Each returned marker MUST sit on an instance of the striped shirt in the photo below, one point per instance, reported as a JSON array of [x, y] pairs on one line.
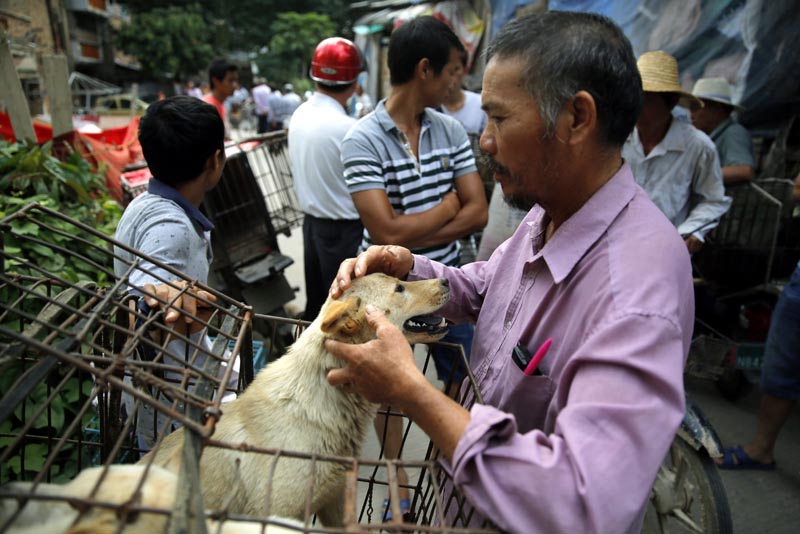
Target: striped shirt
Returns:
[[377, 155]]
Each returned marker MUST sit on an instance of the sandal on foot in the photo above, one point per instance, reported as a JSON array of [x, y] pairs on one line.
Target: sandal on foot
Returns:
[[737, 458]]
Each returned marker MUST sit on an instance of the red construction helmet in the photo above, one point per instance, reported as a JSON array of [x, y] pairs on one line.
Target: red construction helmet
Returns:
[[336, 61]]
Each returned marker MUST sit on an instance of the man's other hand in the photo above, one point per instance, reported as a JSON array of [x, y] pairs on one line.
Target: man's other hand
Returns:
[[693, 244], [182, 303], [382, 370]]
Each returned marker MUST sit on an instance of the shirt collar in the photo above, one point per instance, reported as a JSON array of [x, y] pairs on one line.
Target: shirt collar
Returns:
[[581, 231], [326, 101], [386, 121], [157, 187], [673, 140], [721, 128]]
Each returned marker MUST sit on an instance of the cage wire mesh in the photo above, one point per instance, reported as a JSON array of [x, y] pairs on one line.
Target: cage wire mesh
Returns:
[[265, 158], [91, 380]]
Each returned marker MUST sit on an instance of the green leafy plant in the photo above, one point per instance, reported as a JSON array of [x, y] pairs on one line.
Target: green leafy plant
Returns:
[[30, 173], [29, 456]]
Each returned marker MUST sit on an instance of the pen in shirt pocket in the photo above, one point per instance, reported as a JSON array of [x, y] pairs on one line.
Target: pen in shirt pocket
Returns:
[[527, 363], [533, 365]]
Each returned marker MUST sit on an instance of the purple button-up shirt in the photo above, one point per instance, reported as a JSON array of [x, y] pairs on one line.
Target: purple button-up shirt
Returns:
[[577, 449]]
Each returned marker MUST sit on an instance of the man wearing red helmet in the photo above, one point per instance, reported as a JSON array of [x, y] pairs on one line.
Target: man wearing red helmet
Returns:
[[331, 228]]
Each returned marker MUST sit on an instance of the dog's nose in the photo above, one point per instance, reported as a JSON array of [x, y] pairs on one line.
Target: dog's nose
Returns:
[[445, 282]]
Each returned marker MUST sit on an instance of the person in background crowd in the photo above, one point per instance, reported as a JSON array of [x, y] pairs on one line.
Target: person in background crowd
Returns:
[[290, 102], [463, 105], [412, 174], [360, 102], [238, 99], [275, 108], [780, 375], [503, 222], [332, 228], [261, 94], [713, 117], [223, 78], [780, 384], [575, 444], [673, 161], [193, 90]]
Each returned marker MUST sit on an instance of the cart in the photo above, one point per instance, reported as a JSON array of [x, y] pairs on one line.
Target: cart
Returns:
[[74, 351], [253, 203], [737, 282]]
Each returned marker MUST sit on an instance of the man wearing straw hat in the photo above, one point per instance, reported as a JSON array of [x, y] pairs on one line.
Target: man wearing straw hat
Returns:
[[673, 161], [713, 116]]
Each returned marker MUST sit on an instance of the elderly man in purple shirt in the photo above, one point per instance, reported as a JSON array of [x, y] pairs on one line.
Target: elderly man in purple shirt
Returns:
[[594, 265]]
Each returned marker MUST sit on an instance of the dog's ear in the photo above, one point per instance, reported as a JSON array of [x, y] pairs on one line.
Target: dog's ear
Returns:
[[344, 316]]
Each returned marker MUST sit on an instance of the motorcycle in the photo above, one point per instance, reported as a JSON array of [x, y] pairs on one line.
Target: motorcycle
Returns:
[[688, 494]]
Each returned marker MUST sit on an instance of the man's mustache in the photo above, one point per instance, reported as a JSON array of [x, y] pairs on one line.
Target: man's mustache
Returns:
[[487, 161]]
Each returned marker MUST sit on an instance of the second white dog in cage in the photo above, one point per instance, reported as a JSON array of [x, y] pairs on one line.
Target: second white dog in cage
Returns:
[[290, 406]]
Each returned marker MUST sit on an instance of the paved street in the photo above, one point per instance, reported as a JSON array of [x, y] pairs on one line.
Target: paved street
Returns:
[[760, 501]]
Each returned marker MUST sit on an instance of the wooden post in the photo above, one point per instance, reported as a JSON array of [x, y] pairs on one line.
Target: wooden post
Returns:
[[59, 96], [11, 91], [134, 97]]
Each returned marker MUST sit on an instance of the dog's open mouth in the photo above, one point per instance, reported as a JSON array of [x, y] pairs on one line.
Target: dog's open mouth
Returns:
[[426, 324]]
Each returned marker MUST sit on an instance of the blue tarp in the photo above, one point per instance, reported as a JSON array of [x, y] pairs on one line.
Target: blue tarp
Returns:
[[755, 44]]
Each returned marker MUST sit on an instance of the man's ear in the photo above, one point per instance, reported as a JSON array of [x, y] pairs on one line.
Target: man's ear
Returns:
[[579, 119], [424, 69], [215, 161], [343, 316]]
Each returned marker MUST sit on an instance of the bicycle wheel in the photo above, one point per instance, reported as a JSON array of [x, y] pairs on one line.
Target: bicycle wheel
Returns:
[[688, 495]]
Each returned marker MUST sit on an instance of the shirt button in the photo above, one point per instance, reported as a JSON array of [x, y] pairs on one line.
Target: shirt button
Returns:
[[508, 324]]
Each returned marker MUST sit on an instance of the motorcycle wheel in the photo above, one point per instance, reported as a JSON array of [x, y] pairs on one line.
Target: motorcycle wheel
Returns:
[[688, 495]]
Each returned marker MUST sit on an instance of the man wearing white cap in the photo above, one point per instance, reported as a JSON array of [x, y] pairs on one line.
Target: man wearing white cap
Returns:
[[713, 117], [675, 163]]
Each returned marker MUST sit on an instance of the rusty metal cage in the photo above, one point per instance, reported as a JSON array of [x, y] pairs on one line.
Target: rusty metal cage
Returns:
[[263, 161], [87, 371]]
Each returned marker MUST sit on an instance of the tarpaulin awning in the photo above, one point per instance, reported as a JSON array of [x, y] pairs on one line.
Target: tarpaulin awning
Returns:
[[458, 14], [751, 43], [110, 150]]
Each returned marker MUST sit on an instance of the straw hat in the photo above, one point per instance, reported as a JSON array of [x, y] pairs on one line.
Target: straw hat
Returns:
[[716, 90], [659, 72]]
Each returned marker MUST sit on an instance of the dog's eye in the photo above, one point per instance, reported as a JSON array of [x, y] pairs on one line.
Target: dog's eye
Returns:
[[400, 288]]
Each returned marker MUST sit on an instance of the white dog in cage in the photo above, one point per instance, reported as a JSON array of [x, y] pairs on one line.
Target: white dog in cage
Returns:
[[290, 406], [56, 511]]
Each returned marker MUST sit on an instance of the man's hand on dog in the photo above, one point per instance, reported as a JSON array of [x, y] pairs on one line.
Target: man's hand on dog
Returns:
[[382, 370], [393, 260], [185, 306]]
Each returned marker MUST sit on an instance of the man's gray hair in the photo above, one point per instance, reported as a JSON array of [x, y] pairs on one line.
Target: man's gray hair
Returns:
[[566, 52]]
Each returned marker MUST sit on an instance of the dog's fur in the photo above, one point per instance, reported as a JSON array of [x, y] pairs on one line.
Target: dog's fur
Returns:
[[119, 486], [290, 406]]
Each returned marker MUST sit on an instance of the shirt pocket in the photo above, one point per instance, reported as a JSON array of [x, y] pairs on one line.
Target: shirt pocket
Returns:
[[526, 397]]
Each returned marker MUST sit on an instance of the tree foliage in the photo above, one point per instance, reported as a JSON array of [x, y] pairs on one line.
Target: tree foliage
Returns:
[[172, 43], [294, 36], [181, 37]]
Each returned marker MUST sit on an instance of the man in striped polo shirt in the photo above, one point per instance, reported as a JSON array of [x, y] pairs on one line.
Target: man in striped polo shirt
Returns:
[[411, 171]]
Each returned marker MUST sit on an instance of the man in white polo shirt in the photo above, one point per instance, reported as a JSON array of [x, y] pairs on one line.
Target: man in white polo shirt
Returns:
[[331, 227]]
